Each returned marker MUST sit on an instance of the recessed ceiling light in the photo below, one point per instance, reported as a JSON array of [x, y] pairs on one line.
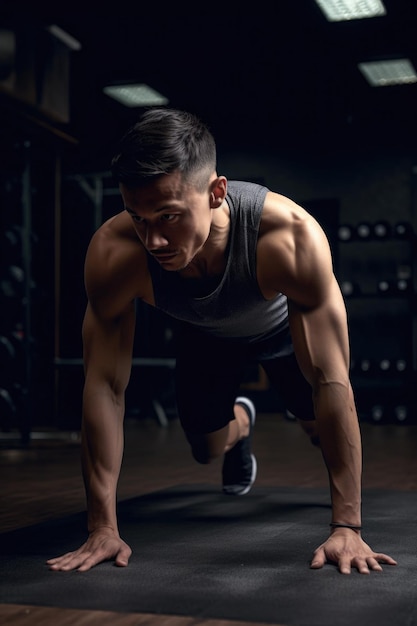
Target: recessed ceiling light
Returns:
[[390, 72], [135, 95], [339, 10]]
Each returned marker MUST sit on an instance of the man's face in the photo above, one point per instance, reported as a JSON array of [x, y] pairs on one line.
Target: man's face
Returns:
[[172, 219]]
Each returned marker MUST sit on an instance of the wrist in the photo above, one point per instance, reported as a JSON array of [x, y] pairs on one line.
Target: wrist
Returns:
[[103, 528], [355, 527]]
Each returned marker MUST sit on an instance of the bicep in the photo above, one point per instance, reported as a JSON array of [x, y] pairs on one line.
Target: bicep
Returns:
[[107, 348]]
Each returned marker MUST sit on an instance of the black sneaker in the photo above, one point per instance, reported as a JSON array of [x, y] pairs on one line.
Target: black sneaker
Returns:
[[239, 465]]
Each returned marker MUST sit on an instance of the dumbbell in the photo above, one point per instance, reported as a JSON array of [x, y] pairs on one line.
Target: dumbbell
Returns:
[[7, 410], [364, 230], [385, 365], [388, 365], [382, 230], [345, 232], [403, 285], [12, 243], [348, 288], [401, 365], [378, 413], [15, 276], [365, 365], [12, 357], [7, 353], [393, 287], [7, 360], [403, 230], [401, 413]]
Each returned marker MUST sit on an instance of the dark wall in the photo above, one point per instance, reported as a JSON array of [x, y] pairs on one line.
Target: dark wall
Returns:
[[338, 190], [377, 273]]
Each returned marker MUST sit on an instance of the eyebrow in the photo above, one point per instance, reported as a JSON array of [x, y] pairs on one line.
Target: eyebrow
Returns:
[[166, 207]]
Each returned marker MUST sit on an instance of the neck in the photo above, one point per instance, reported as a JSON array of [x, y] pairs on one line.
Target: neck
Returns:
[[210, 261]]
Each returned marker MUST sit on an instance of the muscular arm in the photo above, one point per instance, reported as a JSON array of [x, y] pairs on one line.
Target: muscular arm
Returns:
[[318, 322], [107, 357], [321, 345], [108, 332]]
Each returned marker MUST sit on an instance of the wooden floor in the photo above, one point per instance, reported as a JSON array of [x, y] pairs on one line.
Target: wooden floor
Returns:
[[43, 482]]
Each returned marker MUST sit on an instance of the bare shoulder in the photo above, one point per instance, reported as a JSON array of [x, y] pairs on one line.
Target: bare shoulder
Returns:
[[116, 269], [293, 255]]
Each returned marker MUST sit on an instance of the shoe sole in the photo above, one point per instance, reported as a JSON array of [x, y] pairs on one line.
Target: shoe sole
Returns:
[[252, 478]]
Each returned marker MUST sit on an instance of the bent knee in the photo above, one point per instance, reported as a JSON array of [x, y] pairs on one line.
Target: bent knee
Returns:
[[202, 451], [208, 447], [203, 455]]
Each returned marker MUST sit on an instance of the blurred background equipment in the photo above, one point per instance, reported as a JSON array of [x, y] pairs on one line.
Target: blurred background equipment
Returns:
[[310, 114]]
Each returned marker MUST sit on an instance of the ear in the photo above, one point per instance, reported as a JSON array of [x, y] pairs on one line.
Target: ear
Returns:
[[218, 191]]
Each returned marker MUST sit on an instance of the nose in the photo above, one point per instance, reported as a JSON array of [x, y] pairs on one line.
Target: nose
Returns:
[[154, 239]]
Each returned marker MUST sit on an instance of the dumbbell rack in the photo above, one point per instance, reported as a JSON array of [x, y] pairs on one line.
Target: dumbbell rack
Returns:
[[377, 277], [15, 295], [28, 183]]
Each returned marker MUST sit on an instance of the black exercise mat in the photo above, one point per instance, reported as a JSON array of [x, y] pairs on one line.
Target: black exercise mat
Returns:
[[199, 553]]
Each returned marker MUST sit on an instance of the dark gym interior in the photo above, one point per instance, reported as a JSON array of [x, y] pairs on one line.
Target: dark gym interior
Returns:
[[280, 87]]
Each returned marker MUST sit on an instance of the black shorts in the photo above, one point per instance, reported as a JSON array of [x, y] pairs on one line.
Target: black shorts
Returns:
[[209, 372]]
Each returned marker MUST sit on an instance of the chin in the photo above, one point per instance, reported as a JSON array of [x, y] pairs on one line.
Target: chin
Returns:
[[182, 266], [182, 263], [176, 265]]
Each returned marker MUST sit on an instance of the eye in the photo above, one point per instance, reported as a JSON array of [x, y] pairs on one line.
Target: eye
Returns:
[[168, 217], [136, 218]]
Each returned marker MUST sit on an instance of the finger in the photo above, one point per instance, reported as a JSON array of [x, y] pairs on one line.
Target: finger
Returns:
[[361, 565], [60, 564], [70, 562], [345, 566], [90, 562], [384, 558], [56, 559], [374, 565], [65, 566], [319, 559], [93, 558], [122, 558]]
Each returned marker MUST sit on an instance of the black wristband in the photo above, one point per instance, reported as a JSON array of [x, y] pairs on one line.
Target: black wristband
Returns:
[[337, 525]]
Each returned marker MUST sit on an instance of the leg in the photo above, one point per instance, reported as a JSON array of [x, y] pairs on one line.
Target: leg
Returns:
[[239, 428], [207, 447], [286, 376], [208, 377], [208, 372]]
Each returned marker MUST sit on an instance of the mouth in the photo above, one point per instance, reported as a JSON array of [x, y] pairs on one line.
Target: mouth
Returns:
[[164, 257]]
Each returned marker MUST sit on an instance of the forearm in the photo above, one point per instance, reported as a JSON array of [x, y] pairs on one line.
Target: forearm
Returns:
[[340, 442], [102, 452]]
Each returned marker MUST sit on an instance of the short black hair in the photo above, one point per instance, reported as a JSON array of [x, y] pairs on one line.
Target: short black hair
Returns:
[[164, 141]]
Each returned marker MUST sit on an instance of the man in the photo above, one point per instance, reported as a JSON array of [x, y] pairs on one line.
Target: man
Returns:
[[249, 275]]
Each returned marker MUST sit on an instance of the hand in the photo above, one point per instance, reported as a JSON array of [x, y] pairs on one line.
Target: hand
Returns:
[[347, 549], [102, 545]]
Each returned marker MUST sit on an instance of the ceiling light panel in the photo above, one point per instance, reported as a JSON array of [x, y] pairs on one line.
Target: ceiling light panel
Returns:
[[390, 72], [339, 10], [135, 95]]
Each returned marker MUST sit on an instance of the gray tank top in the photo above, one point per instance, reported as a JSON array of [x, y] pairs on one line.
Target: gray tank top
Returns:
[[236, 307]]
